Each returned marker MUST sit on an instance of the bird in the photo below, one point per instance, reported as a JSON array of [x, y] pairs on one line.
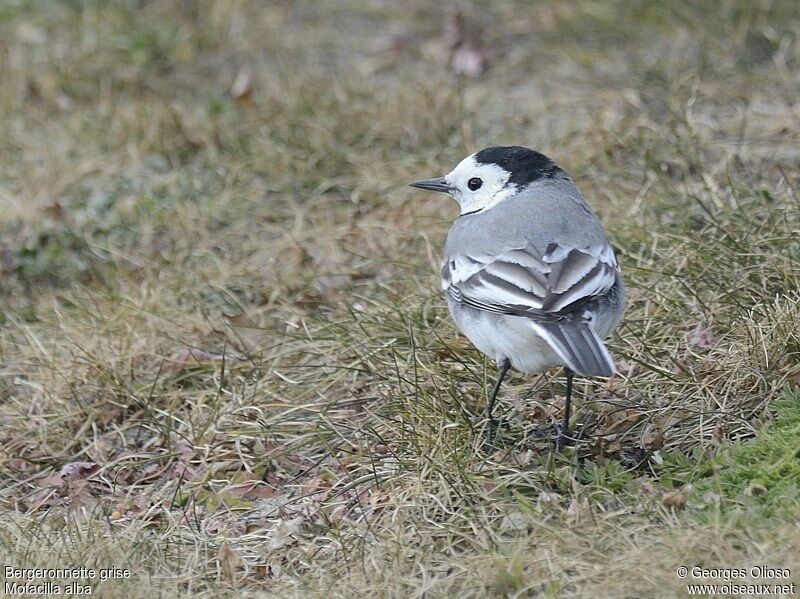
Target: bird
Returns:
[[529, 274]]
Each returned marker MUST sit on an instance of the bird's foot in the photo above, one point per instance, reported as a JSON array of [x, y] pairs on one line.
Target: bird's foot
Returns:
[[563, 438], [559, 436]]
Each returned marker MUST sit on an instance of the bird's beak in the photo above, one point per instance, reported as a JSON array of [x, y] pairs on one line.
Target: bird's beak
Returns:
[[437, 184]]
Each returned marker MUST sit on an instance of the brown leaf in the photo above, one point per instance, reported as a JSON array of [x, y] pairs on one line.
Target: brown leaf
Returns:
[[254, 489], [152, 470], [184, 450], [549, 499], [75, 470], [79, 495], [68, 484], [701, 337], [181, 468], [136, 508], [652, 438], [577, 510], [188, 357], [225, 465], [228, 561], [314, 486], [284, 533], [100, 449], [611, 445], [675, 500], [621, 420], [107, 416], [45, 497], [55, 210], [378, 498], [18, 464]]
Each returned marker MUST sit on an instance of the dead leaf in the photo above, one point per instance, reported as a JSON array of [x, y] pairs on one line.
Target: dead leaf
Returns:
[[378, 498], [225, 465], [80, 495], [138, 507], [188, 357], [227, 561], [621, 420], [335, 513], [68, 484], [515, 522], [652, 438], [549, 499], [46, 497], [284, 533], [262, 571], [611, 445], [184, 450], [701, 337], [100, 449], [675, 500], [75, 470], [182, 468], [18, 464], [577, 510], [254, 489]]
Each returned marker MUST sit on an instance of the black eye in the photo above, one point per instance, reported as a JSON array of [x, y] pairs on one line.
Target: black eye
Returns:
[[474, 183]]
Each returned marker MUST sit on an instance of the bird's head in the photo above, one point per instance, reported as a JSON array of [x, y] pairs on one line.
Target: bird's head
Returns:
[[485, 178]]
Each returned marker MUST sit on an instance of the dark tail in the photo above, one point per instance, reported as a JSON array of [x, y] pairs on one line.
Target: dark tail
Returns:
[[578, 345]]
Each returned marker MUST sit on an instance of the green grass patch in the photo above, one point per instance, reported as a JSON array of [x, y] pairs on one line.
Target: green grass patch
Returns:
[[762, 475]]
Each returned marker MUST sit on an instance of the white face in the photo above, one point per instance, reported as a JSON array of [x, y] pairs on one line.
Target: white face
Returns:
[[488, 180]]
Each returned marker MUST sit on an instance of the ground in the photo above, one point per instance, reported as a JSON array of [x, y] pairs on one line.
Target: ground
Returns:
[[226, 366]]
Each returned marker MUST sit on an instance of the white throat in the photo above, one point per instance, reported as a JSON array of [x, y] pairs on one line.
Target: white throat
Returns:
[[498, 197]]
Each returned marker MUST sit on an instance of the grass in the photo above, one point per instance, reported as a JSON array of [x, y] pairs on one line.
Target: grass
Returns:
[[761, 476], [225, 363]]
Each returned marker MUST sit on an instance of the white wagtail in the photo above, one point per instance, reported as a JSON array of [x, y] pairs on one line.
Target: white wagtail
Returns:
[[530, 277]]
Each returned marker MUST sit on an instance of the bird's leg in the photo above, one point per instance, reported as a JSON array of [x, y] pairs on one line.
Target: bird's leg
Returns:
[[505, 364], [562, 434]]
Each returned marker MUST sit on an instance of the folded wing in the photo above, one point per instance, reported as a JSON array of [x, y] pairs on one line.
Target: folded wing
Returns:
[[554, 290]]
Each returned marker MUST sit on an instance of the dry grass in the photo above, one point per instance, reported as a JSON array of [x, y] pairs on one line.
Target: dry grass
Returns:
[[224, 359]]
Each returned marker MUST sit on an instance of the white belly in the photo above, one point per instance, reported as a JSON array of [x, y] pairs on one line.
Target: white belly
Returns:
[[499, 337]]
